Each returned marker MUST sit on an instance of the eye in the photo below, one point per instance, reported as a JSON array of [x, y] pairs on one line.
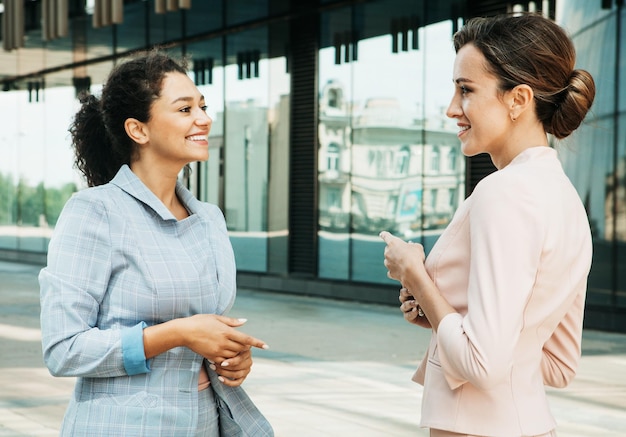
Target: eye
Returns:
[[204, 107], [185, 109], [464, 89]]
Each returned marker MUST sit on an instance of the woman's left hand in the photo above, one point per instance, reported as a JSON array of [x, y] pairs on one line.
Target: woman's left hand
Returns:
[[235, 370]]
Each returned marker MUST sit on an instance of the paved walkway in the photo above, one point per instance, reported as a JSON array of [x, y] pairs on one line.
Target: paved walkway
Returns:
[[334, 369]]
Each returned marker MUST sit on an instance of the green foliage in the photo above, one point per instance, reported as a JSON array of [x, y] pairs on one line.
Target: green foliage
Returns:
[[29, 205]]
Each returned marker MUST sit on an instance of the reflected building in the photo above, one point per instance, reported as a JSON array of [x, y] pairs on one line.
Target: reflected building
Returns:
[[328, 126], [383, 169], [615, 205], [334, 159]]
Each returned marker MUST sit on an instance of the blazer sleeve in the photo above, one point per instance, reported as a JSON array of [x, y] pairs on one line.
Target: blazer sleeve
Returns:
[[72, 287], [506, 234], [561, 353]]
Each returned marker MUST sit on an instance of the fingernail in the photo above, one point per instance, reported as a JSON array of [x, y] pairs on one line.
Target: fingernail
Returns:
[[224, 364], [243, 320], [220, 378], [265, 346], [212, 367]]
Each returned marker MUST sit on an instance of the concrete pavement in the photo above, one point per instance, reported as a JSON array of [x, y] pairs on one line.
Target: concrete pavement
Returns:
[[333, 369]]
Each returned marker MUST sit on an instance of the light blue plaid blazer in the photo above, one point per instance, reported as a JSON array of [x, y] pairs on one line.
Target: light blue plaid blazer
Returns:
[[118, 261]]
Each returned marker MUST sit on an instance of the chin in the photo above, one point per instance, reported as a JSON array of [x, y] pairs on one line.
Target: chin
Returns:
[[469, 151], [201, 157]]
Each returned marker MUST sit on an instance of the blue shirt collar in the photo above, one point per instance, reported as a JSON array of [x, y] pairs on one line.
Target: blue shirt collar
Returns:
[[128, 182]]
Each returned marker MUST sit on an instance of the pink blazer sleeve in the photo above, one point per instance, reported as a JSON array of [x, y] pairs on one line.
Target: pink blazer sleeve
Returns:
[[561, 352], [506, 235]]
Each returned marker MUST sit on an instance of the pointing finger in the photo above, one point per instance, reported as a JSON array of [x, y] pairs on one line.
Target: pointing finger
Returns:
[[385, 236]]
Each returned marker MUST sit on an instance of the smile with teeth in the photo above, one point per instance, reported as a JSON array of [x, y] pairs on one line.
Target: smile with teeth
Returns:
[[197, 138]]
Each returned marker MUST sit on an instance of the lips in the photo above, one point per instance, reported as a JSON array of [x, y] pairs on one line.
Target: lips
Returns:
[[463, 129]]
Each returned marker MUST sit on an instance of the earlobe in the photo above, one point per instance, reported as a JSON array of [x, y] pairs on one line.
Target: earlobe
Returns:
[[136, 131]]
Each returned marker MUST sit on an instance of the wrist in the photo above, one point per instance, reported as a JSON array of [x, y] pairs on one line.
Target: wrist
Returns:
[[163, 337]]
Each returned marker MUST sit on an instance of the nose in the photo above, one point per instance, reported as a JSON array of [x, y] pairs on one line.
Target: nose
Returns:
[[203, 119], [454, 108]]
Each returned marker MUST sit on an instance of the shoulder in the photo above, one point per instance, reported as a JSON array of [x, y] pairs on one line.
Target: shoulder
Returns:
[[95, 204], [100, 197], [505, 186], [530, 178], [511, 199], [212, 213]]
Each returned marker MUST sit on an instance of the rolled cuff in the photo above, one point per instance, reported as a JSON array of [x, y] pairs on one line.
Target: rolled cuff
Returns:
[[133, 353], [451, 337]]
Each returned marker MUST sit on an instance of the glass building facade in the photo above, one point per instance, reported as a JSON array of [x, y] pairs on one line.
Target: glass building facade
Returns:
[[328, 126]]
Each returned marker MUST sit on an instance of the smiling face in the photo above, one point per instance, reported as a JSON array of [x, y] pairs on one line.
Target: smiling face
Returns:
[[482, 111], [178, 129]]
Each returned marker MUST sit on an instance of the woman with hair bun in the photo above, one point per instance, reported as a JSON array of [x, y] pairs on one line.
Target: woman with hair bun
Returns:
[[140, 272], [504, 287]]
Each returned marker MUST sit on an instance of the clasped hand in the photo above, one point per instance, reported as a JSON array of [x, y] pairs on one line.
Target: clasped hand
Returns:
[[215, 338]]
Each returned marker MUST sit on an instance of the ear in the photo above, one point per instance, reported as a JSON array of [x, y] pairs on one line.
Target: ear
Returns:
[[136, 130], [521, 99]]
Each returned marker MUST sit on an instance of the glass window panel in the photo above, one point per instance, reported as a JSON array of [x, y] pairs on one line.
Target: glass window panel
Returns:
[[99, 40], [580, 14], [620, 179], [31, 168], [164, 27], [207, 72], [279, 128], [61, 179], [388, 158], [622, 62], [246, 147], [131, 34], [204, 16], [617, 194], [240, 11], [587, 158], [334, 154], [9, 173], [444, 166], [595, 50]]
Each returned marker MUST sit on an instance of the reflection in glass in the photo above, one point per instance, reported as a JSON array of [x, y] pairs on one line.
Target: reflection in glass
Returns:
[[207, 72], [388, 156], [36, 170], [246, 147], [589, 157], [131, 33]]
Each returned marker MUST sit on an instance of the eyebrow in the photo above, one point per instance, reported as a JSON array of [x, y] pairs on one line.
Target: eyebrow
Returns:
[[461, 79], [186, 99]]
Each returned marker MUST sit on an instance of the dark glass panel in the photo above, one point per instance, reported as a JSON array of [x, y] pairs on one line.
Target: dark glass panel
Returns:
[[204, 16], [131, 34], [246, 137]]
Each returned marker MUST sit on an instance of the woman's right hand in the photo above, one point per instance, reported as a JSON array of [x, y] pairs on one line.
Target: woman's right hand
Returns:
[[212, 336], [215, 337], [409, 308]]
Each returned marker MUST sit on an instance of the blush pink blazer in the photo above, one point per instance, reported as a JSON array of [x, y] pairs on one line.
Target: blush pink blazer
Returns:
[[514, 263]]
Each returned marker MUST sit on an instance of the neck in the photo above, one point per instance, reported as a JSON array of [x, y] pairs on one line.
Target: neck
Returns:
[[161, 180], [522, 137]]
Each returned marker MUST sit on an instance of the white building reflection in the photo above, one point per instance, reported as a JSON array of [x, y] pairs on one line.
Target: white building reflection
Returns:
[[384, 167]]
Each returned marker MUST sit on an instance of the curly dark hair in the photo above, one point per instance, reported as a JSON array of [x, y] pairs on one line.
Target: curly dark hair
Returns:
[[533, 50], [100, 142]]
